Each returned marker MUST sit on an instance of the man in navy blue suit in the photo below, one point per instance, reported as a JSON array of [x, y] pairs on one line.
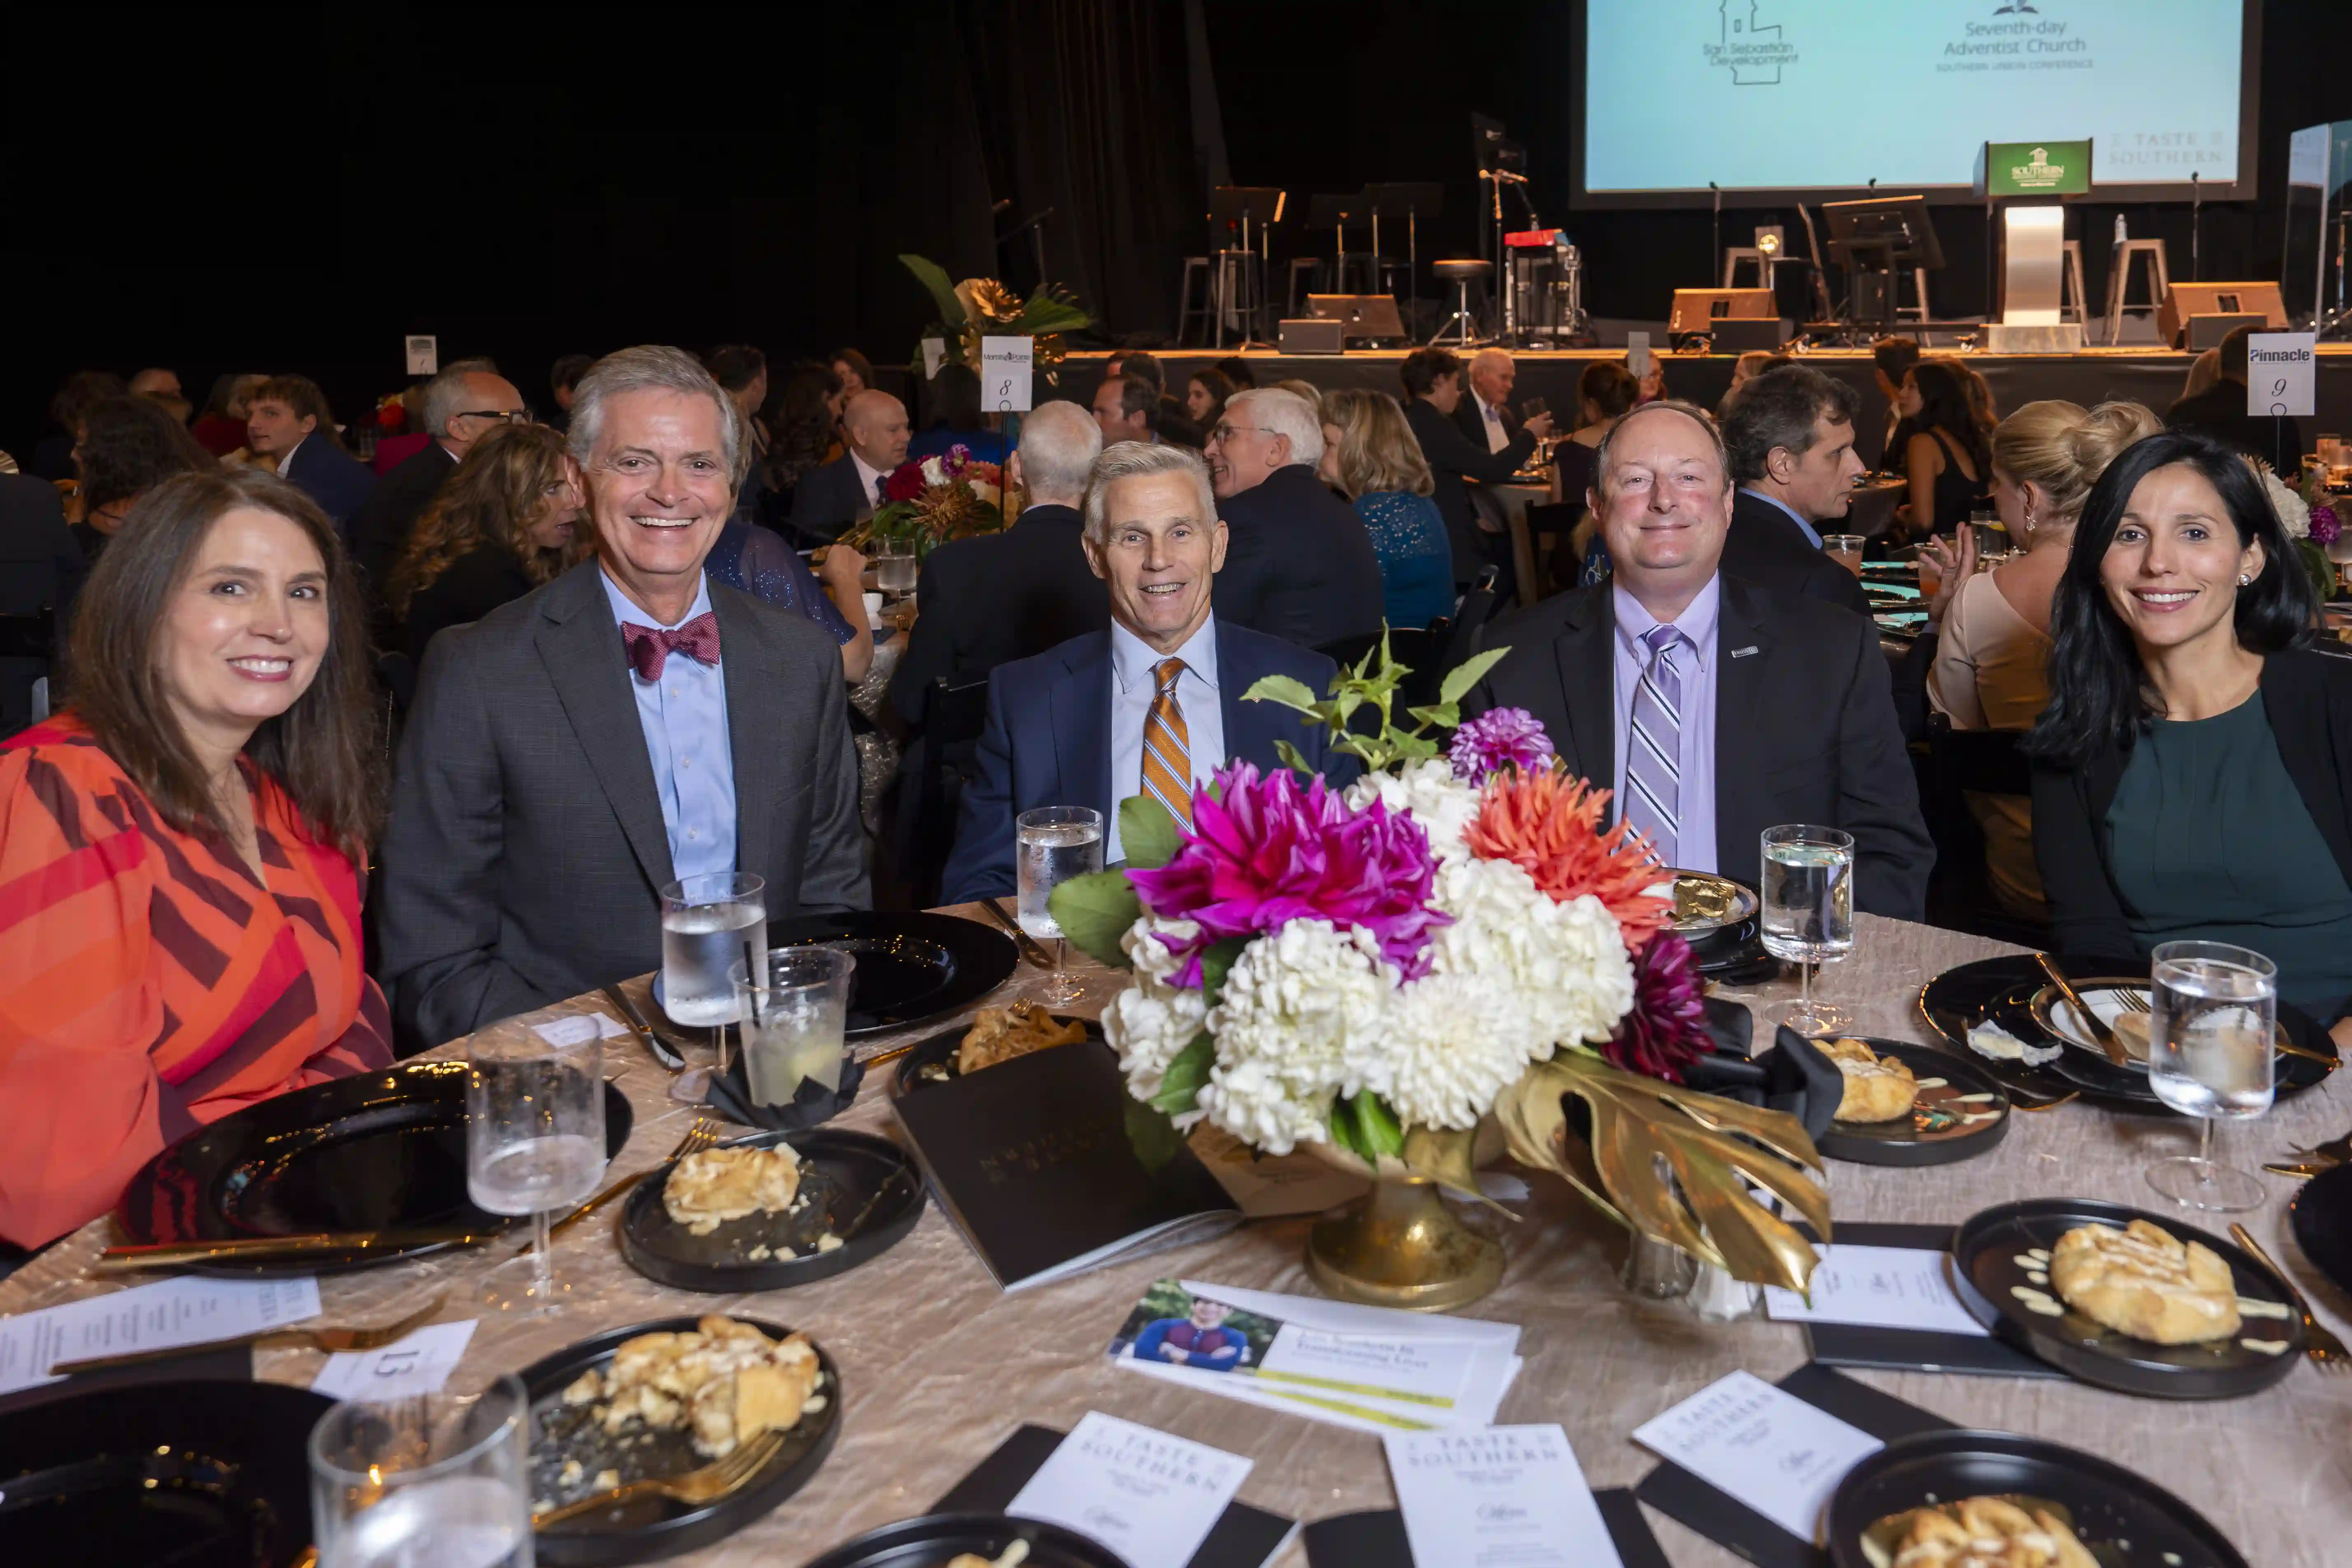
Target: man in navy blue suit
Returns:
[[1151, 706], [289, 420]]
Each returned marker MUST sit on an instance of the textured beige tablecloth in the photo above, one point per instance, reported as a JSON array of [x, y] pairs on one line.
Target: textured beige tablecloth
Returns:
[[937, 1365]]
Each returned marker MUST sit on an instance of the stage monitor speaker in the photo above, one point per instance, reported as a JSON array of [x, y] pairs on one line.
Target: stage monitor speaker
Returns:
[[1364, 315], [1698, 309], [1311, 336], [2183, 301], [2206, 329], [1739, 334]]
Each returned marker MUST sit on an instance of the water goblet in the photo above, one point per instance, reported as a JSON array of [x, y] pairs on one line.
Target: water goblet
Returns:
[[1808, 913], [534, 1143], [708, 922], [1058, 844], [2211, 1030]]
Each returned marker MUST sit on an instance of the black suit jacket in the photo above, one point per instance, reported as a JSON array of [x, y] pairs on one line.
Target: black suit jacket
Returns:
[[1048, 742], [1471, 420], [527, 847], [380, 528], [2220, 410], [2308, 697], [1804, 726], [1765, 545], [829, 498], [338, 481], [1298, 565], [996, 597], [1455, 458]]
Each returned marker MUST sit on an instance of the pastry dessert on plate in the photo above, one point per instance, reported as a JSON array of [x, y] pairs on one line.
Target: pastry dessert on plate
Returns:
[[1878, 1089], [706, 1190], [1978, 1532], [724, 1381], [2144, 1281], [1000, 1033]]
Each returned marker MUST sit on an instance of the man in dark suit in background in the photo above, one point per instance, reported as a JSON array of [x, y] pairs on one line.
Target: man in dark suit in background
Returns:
[[1484, 416], [288, 420], [996, 597], [1152, 706], [1714, 708], [462, 404], [627, 725], [1299, 565], [834, 495], [2220, 410], [1433, 397], [1789, 434], [40, 568]]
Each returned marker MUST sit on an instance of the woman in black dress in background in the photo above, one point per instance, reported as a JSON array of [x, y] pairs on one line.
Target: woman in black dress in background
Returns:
[[505, 521]]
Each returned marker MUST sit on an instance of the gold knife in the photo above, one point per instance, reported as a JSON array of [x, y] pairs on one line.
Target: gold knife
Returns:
[[2090, 1021], [643, 1029], [263, 1249], [1027, 943]]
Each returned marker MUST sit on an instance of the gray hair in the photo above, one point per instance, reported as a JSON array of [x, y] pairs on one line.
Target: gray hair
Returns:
[[1059, 443], [653, 368], [445, 396], [1285, 414], [1136, 460], [1691, 411]]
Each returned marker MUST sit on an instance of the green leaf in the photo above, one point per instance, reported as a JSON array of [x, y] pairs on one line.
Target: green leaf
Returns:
[[1186, 1075], [1095, 911], [1291, 758], [1446, 715], [1468, 673], [1345, 1133], [1151, 1135], [932, 276], [1283, 690], [1376, 1126], [1216, 963], [1148, 835]]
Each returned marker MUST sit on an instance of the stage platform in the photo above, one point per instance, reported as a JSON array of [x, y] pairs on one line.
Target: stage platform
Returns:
[[2152, 376]]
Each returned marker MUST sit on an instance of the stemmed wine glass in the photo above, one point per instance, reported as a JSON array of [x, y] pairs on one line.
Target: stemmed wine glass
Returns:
[[2211, 1030], [534, 1143], [442, 1478], [1808, 887], [1059, 844]]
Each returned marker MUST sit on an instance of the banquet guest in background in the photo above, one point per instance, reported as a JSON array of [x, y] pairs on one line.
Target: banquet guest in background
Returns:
[[808, 418], [1605, 393], [1745, 369], [461, 406], [187, 842], [40, 570], [834, 495], [1946, 460], [574, 751], [129, 445], [996, 597], [1790, 436], [1174, 422], [508, 522], [220, 429], [1206, 393], [2220, 410], [1238, 371], [1370, 453], [1124, 408], [1714, 708], [163, 387], [957, 420], [52, 456], [1982, 408], [1992, 646], [561, 377], [756, 561], [1891, 359], [289, 423], [1297, 564], [1433, 392], [2204, 372], [1153, 703], [742, 372], [1135, 361], [2194, 764], [1484, 415], [1306, 390], [856, 371]]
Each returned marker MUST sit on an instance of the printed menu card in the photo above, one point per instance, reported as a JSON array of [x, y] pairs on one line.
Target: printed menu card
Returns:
[[1150, 1496], [1507, 1497], [1762, 1447]]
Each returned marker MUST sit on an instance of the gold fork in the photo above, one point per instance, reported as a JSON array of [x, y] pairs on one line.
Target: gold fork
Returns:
[[2325, 1350], [698, 1137], [694, 1488], [2136, 1003], [328, 1340]]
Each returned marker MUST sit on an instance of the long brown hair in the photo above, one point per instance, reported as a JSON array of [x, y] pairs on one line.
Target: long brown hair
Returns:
[[494, 497], [1377, 449], [318, 751]]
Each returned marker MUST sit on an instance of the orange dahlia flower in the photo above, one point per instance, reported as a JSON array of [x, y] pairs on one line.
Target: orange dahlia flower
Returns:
[[1549, 824]]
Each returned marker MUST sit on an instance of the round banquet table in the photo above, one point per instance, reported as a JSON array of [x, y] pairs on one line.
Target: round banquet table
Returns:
[[2272, 1470]]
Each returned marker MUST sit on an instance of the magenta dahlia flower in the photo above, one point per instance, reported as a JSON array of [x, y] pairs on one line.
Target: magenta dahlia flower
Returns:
[[2326, 526], [1666, 1030], [1505, 737], [1265, 852]]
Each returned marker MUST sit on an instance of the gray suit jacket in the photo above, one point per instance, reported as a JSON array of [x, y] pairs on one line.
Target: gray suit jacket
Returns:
[[527, 849]]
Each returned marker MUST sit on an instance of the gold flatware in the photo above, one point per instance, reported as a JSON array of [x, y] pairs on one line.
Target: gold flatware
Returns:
[[2136, 1003], [2045, 1104], [265, 1248], [328, 1340], [698, 1137], [643, 1031], [695, 1487], [2335, 1149], [2327, 1351], [1027, 943], [2301, 1169], [2090, 1021]]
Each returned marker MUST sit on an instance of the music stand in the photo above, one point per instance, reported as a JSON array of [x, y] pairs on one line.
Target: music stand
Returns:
[[1250, 211], [1366, 315], [1336, 213], [1414, 200], [1881, 234]]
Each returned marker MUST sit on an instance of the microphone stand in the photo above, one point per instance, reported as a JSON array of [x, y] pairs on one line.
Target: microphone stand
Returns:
[[1718, 226], [2196, 223]]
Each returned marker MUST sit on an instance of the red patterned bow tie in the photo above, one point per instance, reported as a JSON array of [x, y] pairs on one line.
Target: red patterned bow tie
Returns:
[[650, 646]]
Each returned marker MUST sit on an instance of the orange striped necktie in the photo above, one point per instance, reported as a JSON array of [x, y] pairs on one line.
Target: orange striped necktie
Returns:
[[1167, 749]]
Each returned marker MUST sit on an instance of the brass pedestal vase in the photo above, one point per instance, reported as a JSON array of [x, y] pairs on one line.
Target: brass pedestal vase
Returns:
[[1400, 1246]]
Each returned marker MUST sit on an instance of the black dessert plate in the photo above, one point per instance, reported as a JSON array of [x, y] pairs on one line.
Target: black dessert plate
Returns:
[[910, 966], [932, 1061], [231, 1474], [933, 1540], [2120, 1517], [843, 1175], [383, 1150], [1960, 1113], [649, 1528], [1992, 1266], [2321, 1215]]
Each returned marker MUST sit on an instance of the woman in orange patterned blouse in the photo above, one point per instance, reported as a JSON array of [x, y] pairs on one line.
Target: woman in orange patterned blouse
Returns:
[[181, 851]]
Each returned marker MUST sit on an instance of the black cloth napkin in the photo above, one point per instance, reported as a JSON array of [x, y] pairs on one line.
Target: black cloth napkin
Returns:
[[1794, 1075], [815, 1105]]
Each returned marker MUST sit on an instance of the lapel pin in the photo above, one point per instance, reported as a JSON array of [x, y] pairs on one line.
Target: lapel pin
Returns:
[[1743, 652]]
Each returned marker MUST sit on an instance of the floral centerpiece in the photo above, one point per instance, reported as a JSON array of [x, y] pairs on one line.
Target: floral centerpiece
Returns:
[[983, 307], [930, 500], [1452, 941], [2309, 520]]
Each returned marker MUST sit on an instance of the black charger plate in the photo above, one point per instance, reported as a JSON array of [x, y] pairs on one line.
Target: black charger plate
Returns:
[[383, 1150], [1985, 1253], [841, 1172], [2110, 1505], [2321, 1216], [936, 1538], [910, 966], [1934, 1134], [654, 1527], [261, 1517], [940, 1049], [2091, 1072]]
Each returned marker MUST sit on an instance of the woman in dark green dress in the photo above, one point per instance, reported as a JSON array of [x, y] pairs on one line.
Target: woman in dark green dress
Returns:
[[2194, 772]]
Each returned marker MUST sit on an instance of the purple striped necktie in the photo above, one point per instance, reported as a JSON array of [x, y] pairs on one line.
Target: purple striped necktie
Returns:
[[1653, 746]]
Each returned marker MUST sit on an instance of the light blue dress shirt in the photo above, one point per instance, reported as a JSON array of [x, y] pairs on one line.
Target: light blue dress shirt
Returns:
[[1132, 688], [1812, 534], [1695, 808], [685, 718]]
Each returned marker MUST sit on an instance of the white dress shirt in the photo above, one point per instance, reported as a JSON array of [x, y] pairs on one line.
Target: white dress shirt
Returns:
[[868, 478], [684, 716], [1132, 689], [1694, 848], [1499, 435]]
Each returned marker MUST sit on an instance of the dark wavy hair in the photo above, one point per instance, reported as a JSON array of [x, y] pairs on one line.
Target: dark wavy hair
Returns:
[[130, 445], [1944, 405], [2098, 688]]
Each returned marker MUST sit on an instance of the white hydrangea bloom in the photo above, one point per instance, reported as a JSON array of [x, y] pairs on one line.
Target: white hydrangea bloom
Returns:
[[1299, 1007], [1441, 804], [934, 472], [1151, 1021], [2293, 512]]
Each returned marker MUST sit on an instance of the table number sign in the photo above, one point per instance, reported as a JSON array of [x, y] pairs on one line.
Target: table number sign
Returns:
[[2281, 374], [1006, 369]]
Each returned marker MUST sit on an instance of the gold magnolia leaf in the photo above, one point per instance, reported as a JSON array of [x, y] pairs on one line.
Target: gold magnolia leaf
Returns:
[[1535, 1130], [1445, 1158]]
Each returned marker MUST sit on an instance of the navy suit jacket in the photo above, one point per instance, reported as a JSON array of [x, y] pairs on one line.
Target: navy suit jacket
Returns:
[[1048, 742], [338, 481], [828, 499]]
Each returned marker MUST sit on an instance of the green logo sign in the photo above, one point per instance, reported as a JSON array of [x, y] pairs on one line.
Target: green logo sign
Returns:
[[2037, 168]]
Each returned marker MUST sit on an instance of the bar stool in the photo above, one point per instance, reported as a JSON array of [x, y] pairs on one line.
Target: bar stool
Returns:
[[1196, 271], [2072, 301], [1461, 273], [2119, 282], [1734, 255], [1311, 267]]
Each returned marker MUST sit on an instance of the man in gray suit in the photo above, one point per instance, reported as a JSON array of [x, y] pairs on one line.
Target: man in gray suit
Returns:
[[575, 750]]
